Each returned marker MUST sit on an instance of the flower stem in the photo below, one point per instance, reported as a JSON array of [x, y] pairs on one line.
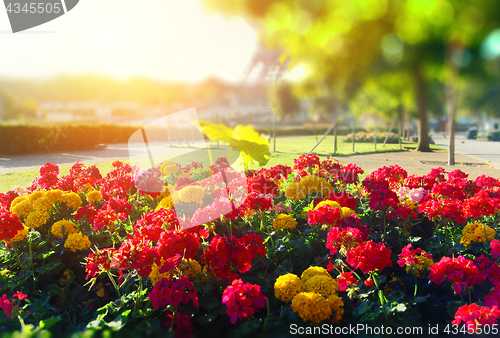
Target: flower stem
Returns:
[[173, 321], [380, 296], [415, 291], [17, 253], [267, 318], [114, 284], [361, 300]]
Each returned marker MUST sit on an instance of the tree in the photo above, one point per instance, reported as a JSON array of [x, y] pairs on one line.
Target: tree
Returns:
[[340, 41], [283, 103]]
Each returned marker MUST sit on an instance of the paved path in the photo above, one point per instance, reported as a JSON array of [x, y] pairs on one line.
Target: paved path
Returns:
[[482, 151]]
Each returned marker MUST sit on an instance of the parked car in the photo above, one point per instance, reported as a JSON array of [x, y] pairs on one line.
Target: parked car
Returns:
[[472, 135], [494, 136]]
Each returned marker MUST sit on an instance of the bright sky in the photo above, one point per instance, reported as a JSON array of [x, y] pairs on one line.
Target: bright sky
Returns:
[[165, 39]]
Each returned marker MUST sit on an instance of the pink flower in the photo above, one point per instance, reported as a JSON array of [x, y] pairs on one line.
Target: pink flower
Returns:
[[242, 299], [20, 295], [495, 248], [6, 305], [474, 314]]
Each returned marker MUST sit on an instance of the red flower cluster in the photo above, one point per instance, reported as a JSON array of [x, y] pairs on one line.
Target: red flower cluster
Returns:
[[343, 198], [48, 178], [152, 224], [458, 198], [493, 298], [325, 214], [98, 261], [226, 254], [347, 238], [184, 243], [7, 198], [10, 224], [309, 161], [460, 271], [369, 256], [6, 305], [242, 299], [173, 292], [473, 315], [409, 256], [488, 269], [346, 280], [495, 248], [380, 185], [118, 183], [136, 254], [257, 202]]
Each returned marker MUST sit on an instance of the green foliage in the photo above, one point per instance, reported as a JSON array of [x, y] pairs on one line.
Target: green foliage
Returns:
[[253, 147]]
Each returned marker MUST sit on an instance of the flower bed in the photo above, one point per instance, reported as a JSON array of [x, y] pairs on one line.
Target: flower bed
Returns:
[[205, 251]]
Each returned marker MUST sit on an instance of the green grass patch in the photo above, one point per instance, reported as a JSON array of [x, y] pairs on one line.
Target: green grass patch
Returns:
[[287, 149]]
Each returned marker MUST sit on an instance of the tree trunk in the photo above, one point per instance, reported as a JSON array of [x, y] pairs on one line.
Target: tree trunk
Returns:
[[335, 139], [274, 132], [423, 123], [400, 125]]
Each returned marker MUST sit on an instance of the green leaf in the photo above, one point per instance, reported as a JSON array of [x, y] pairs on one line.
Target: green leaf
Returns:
[[397, 296], [47, 268], [119, 321], [47, 323], [216, 132], [421, 299], [253, 147]]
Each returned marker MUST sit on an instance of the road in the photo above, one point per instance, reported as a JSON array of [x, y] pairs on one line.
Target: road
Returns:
[[482, 151]]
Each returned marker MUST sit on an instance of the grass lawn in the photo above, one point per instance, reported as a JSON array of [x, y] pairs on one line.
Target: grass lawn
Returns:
[[287, 148]]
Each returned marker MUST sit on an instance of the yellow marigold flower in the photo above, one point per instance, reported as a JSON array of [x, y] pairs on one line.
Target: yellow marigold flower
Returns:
[[184, 174], [284, 221], [411, 204], [314, 271], [43, 204], [22, 209], [54, 195], [311, 307], [187, 268], [69, 228], [288, 286], [474, 232], [192, 194], [347, 212], [294, 192], [419, 266], [17, 200], [77, 242], [169, 167], [316, 184], [156, 276], [72, 200], [336, 304], [21, 234], [36, 195], [94, 196], [327, 202], [37, 218], [324, 285], [166, 203]]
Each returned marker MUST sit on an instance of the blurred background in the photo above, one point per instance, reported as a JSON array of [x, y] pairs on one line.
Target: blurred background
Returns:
[[414, 68]]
